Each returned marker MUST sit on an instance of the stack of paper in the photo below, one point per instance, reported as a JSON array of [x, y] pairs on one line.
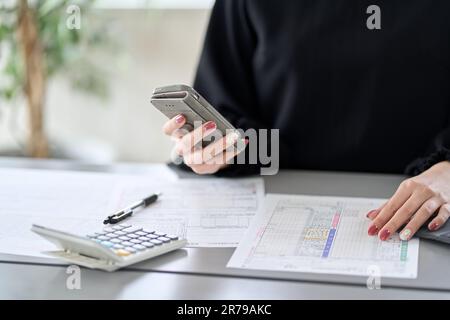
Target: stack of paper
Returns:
[[208, 212]]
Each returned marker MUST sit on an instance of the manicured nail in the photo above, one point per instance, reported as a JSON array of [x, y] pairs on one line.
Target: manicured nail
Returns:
[[210, 125], [385, 234], [405, 235], [371, 213], [246, 141], [179, 119], [373, 230], [433, 227]]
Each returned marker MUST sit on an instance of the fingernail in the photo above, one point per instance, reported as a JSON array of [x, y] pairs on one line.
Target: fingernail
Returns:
[[246, 141], [373, 230], [179, 119], [405, 234], [371, 213], [433, 227], [385, 234], [210, 125]]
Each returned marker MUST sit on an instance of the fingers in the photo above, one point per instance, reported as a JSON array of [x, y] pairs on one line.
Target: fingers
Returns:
[[412, 206], [372, 214], [189, 141], [178, 134], [422, 215], [206, 160], [402, 194], [173, 124], [440, 219], [209, 153], [229, 154], [219, 161]]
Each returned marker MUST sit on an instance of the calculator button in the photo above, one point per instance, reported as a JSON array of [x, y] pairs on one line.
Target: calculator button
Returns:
[[139, 247], [124, 225], [157, 242], [111, 235], [91, 236], [144, 238], [148, 231], [130, 250], [164, 239], [132, 235], [106, 244], [103, 238], [152, 236], [160, 234], [172, 237], [135, 241], [120, 233], [132, 229], [128, 244], [108, 230], [117, 227], [115, 240], [124, 238], [122, 253], [147, 244], [100, 233], [118, 246], [141, 233]]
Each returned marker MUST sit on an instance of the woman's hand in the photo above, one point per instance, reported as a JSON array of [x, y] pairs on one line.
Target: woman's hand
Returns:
[[206, 160], [414, 202]]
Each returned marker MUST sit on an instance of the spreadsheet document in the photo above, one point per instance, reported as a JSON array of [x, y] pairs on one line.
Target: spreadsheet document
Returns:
[[322, 235]]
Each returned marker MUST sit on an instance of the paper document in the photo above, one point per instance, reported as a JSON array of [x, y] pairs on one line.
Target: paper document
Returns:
[[322, 235], [209, 212]]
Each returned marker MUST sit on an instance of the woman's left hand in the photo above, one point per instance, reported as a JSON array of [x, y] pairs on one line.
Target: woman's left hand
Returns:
[[414, 202]]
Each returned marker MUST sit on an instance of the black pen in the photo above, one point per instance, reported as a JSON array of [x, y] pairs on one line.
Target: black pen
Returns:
[[128, 212]]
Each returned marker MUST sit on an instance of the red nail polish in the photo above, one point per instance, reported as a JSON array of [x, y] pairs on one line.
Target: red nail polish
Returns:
[[373, 230], [179, 119], [210, 125], [246, 141], [385, 234], [433, 226], [370, 213]]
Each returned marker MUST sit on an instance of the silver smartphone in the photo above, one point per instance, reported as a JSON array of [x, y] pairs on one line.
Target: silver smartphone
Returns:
[[182, 99]]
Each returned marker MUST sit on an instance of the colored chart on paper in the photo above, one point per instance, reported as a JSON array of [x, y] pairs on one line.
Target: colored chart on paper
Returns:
[[322, 235]]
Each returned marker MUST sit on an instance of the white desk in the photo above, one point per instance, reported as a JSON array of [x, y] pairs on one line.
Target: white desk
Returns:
[[200, 273]]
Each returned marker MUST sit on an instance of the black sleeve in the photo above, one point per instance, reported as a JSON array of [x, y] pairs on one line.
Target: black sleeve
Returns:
[[225, 74], [439, 151]]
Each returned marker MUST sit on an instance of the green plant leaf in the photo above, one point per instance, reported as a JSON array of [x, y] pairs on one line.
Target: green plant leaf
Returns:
[[65, 50]]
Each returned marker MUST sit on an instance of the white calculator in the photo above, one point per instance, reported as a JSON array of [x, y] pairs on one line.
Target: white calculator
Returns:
[[112, 248]]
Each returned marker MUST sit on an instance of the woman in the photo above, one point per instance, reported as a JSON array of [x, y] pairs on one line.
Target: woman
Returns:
[[344, 96]]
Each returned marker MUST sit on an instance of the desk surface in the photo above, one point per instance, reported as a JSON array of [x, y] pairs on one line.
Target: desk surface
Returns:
[[200, 274]]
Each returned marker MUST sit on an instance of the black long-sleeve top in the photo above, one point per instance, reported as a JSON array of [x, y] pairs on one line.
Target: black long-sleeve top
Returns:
[[344, 97]]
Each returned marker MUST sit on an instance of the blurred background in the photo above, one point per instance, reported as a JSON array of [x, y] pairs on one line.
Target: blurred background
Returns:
[[93, 97]]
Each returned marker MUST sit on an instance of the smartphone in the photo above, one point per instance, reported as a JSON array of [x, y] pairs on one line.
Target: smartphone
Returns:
[[182, 99]]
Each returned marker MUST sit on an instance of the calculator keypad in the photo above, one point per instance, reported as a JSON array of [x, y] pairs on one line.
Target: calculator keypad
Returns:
[[126, 240]]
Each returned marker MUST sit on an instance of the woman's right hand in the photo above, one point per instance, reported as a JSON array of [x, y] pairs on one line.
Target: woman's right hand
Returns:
[[188, 145]]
